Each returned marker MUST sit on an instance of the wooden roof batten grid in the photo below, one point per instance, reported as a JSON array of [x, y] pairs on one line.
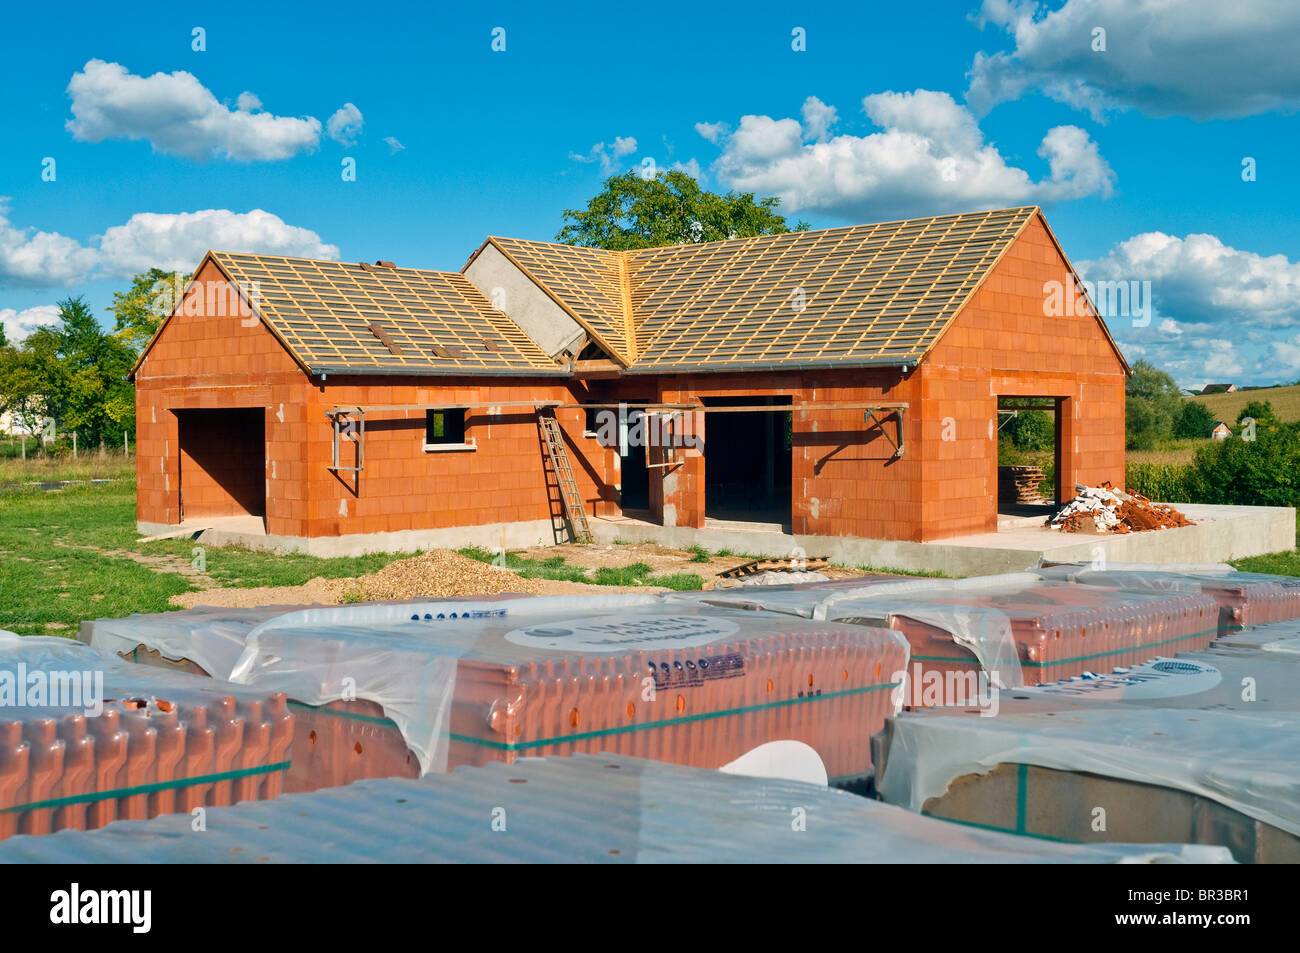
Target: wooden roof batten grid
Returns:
[[879, 294]]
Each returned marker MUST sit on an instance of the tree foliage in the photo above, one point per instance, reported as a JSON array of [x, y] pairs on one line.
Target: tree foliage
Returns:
[[1153, 403], [1194, 421], [671, 208], [1264, 471], [1031, 430], [141, 308], [72, 372]]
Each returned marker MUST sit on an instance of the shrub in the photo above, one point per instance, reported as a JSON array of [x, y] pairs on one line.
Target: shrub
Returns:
[[1260, 472]]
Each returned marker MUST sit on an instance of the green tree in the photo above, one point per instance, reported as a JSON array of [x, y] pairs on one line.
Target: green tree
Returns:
[[669, 209], [1261, 411], [1031, 430], [139, 310], [1260, 472], [74, 373], [1152, 404], [1194, 421]]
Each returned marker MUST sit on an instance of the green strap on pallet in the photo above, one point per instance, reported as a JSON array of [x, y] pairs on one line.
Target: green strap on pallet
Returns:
[[666, 722], [176, 785]]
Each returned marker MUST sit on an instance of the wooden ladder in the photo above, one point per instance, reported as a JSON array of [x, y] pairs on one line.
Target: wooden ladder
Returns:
[[553, 439]]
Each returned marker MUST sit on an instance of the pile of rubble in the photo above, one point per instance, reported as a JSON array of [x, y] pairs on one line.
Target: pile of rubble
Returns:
[[1104, 509]]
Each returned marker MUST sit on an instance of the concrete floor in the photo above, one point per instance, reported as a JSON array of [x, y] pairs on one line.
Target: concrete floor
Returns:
[[1221, 533]]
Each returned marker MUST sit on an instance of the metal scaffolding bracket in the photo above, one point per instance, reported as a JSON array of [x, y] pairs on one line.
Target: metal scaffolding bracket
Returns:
[[336, 417], [878, 416]]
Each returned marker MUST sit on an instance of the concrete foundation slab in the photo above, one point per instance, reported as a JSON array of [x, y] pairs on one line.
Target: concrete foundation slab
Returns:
[[1221, 533], [491, 536]]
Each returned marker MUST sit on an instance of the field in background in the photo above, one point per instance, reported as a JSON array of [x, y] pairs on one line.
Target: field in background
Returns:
[[87, 466], [1226, 407]]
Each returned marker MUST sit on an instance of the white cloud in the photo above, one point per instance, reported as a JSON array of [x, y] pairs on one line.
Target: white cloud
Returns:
[[1199, 58], [817, 118], [19, 324], [394, 146], [691, 167], [176, 114], [178, 241], [1221, 358], [715, 132], [30, 258], [1288, 353], [345, 125], [607, 154], [1201, 280], [930, 157], [1220, 313]]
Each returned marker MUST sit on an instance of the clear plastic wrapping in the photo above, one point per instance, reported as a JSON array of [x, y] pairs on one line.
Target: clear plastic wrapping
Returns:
[[87, 738], [687, 682], [633, 811]]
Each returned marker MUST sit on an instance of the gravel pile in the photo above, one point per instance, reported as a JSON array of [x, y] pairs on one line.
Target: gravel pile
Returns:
[[437, 574]]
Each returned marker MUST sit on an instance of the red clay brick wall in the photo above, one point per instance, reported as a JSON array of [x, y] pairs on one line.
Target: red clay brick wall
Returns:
[[404, 487], [205, 360], [1004, 344], [214, 360], [845, 480]]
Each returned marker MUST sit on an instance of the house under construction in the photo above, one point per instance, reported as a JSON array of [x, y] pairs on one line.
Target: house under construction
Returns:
[[843, 382]]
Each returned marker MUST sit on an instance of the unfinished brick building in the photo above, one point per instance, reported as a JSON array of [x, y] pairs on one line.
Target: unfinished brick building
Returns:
[[843, 382]]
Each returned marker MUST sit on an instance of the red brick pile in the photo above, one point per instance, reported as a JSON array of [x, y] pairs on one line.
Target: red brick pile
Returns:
[[1125, 513]]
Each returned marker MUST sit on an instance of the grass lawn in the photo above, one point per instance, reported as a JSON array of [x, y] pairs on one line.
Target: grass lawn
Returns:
[[66, 556], [1279, 564], [54, 574], [63, 559]]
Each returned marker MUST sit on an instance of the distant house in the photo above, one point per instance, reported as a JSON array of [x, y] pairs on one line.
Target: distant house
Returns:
[[1219, 389], [11, 426], [1220, 431]]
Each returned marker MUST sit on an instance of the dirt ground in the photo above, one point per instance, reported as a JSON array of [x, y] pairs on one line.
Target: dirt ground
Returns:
[[442, 573]]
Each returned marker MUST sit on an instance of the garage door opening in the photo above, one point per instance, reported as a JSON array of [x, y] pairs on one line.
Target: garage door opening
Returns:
[[747, 460], [222, 463]]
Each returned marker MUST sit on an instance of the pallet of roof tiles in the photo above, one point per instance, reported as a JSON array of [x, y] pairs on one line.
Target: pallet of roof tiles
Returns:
[[87, 738], [633, 811], [335, 744], [1203, 748], [1281, 637], [1244, 598], [803, 599], [204, 640], [1014, 629], [646, 676], [1030, 632]]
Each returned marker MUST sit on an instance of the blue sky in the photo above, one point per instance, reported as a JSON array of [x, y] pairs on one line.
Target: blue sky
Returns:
[[1135, 151]]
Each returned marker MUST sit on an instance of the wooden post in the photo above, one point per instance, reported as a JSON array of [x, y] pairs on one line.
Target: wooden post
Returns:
[[126, 443], [24, 446], [74, 445]]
